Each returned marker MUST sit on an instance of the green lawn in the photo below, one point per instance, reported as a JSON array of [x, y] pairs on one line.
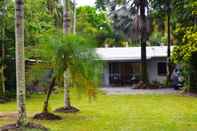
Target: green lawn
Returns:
[[119, 113]]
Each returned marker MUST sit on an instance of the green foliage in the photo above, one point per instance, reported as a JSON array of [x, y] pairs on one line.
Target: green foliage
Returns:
[[184, 54], [94, 23], [74, 53], [96, 19], [157, 38], [183, 23], [183, 10]]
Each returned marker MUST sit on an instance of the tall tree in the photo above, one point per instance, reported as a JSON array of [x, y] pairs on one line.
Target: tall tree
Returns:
[[20, 62], [66, 24], [3, 10], [169, 40], [141, 5]]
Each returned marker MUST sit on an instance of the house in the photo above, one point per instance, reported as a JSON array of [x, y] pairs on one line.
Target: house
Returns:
[[123, 64]]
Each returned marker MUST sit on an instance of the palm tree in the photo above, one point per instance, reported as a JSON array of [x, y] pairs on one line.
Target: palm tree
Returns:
[[141, 5], [66, 23], [169, 41], [20, 63], [69, 57]]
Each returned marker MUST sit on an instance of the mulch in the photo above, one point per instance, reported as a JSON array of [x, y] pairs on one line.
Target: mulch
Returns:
[[69, 109], [46, 116], [13, 127]]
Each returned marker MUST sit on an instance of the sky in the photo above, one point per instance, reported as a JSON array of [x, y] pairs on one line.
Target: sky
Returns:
[[85, 2]]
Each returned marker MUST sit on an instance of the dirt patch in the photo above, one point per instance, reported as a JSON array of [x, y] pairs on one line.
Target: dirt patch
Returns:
[[29, 126], [9, 115], [67, 110], [46, 116]]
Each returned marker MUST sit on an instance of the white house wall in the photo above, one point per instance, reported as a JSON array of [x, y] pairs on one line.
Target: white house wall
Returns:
[[153, 70]]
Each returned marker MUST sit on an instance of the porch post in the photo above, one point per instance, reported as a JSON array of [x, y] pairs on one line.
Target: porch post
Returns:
[[106, 75]]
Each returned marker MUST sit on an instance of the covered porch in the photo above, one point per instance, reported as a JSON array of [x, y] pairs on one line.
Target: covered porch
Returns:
[[122, 73]]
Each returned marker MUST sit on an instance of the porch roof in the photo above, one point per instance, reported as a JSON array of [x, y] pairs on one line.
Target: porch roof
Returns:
[[130, 53]]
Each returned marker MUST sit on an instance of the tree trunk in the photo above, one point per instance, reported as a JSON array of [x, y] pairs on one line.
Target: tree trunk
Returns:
[[2, 68], [50, 89], [66, 91], [74, 17], [169, 45], [143, 43], [20, 62], [66, 88], [65, 17]]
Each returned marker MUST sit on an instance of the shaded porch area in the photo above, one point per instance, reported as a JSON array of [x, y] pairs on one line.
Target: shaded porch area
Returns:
[[124, 73]]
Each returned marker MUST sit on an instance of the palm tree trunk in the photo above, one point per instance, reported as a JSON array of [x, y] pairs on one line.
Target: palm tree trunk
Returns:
[[50, 89], [66, 91], [65, 29], [65, 17], [20, 62], [74, 17], [169, 45], [143, 43]]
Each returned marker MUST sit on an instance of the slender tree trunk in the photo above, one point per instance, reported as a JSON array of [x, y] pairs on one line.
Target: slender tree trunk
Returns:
[[65, 30], [143, 43], [169, 45], [66, 90], [3, 61], [74, 17], [20, 62], [50, 89], [65, 17]]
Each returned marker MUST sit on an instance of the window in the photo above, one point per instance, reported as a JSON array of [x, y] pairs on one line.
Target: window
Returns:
[[162, 71]]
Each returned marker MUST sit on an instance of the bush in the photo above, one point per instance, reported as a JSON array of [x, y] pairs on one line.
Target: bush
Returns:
[[185, 54]]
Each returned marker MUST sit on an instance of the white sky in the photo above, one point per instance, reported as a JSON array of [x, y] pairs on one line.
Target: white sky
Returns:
[[85, 2]]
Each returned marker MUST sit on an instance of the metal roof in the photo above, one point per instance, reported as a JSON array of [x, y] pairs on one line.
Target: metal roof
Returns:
[[130, 53]]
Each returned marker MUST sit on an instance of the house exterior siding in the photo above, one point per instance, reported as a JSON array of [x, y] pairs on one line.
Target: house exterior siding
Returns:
[[153, 70]]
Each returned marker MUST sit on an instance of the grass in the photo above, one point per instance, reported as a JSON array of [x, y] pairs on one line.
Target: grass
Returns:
[[118, 113]]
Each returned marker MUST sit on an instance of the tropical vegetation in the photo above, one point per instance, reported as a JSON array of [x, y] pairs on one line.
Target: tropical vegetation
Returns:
[[51, 44]]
